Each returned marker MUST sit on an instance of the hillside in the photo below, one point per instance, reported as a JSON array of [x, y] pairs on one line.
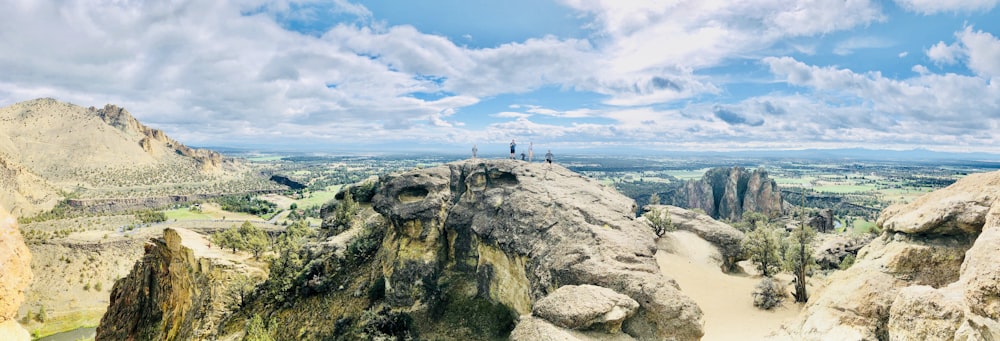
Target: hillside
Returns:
[[51, 150]]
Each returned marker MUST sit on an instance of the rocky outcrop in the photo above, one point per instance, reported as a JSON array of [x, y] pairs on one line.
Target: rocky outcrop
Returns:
[[522, 232], [834, 248], [725, 237], [931, 275], [725, 193], [15, 262], [121, 119], [822, 221], [177, 291]]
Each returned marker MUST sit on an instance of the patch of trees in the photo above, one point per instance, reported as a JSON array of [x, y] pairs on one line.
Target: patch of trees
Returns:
[[150, 216], [770, 251], [246, 204], [246, 237]]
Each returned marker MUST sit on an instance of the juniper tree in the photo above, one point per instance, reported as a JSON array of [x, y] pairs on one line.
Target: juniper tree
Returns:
[[799, 258], [762, 247]]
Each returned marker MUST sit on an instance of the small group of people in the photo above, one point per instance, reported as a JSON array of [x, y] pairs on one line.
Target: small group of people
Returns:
[[513, 153]]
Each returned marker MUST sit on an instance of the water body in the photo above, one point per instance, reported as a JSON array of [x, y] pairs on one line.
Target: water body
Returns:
[[72, 335]]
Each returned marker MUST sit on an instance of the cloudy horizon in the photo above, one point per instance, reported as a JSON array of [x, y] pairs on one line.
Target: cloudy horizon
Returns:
[[678, 75]]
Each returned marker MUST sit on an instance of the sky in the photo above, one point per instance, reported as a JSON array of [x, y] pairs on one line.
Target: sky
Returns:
[[684, 75]]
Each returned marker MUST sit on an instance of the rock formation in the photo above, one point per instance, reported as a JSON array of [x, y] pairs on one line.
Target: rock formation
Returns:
[[121, 119], [834, 248], [725, 237], [177, 291], [15, 275], [523, 232], [456, 251], [725, 193], [933, 274]]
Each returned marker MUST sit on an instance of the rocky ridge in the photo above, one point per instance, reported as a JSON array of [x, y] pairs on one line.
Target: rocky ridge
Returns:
[[931, 275], [456, 251], [50, 150], [15, 262]]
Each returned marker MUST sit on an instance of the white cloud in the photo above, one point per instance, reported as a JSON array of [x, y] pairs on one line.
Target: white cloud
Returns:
[[938, 6], [944, 53], [904, 54], [979, 50], [942, 104], [511, 114], [644, 40], [848, 46]]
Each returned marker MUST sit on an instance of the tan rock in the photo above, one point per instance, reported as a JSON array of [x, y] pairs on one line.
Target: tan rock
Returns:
[[15, 276], [924, 313], [586, 306], [932, 275], [531, 328], [981, 270]]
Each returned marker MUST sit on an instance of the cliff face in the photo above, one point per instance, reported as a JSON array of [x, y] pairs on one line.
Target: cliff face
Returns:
[[522, 232], [15, 275], [172, 293], [932, 274], [725, 193]]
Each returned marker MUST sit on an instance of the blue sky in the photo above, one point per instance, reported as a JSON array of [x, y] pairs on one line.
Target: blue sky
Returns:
[[569, 74]]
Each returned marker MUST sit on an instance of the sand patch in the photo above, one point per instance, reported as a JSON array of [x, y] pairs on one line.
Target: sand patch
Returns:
[[724, 299]]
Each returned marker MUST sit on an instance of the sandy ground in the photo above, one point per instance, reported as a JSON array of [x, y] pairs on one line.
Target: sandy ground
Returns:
[[725, 299]]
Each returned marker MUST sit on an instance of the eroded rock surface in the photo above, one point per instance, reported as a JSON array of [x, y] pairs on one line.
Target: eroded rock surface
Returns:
[[177, 291], [524, 232], [722, 235], [585, 307], [932, 275], [15, 275]]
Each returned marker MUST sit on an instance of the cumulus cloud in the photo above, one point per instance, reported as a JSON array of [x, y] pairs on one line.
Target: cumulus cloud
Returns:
[[937, 6], [979, 50], [934, 106]]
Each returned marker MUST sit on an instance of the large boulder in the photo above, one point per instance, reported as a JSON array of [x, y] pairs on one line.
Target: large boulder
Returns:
[[15, 262], [586, 307], [523, 231], [931, 275]]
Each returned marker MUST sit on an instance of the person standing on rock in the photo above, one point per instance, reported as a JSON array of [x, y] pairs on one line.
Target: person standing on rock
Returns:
[[513, 145], [548, 159], [474, 151], [531, 153]]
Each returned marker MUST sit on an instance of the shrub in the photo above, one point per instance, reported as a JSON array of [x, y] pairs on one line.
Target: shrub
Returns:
[[660, 221], [768, 294], [847, 261]]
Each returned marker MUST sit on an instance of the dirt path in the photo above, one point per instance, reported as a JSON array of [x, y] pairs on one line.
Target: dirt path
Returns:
[[724, 299]]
